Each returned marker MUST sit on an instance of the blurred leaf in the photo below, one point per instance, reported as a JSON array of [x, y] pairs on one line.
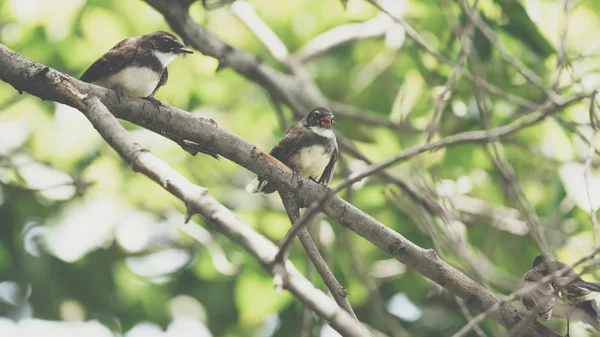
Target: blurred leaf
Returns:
[[520, 26]]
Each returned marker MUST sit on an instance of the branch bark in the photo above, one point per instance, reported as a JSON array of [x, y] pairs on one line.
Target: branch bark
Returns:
[[292, 207], [26, 75], [199, 201]]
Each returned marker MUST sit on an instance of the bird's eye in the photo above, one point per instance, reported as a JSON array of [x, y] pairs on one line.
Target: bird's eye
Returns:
[[166, 40]]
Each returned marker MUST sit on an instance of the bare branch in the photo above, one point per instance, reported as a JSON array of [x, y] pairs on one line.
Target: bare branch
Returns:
[[245, 12], [465, 48], [482, 136], [198, 200], [588, 164], [26, 75], [343, 34], [292, 208]]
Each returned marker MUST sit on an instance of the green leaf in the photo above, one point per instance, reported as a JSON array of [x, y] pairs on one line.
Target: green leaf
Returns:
[[521, 27]]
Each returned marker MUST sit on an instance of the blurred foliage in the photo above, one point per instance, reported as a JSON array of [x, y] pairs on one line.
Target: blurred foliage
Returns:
[[82, 237]]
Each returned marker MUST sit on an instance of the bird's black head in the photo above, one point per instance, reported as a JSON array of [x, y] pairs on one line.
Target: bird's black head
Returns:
[[539, 260], [164, 42], [319, 116]]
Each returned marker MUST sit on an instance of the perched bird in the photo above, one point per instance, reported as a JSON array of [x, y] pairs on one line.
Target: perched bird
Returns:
[[308, 148], [574, 301], [137, 66]]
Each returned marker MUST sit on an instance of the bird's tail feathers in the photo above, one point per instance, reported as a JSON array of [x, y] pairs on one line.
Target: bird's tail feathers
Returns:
[[592, 315], [593, 286], [256, 186]]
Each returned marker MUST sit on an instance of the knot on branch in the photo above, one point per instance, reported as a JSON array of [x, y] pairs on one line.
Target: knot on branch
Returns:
[[222, 58], [36, 71], [134, 156]]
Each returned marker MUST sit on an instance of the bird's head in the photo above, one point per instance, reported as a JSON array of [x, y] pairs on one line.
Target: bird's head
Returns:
[[319, 117], [539, 260], [165, 43]]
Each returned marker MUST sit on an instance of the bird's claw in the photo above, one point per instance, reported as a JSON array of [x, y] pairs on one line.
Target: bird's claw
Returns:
[[119, 93], [154, 101]]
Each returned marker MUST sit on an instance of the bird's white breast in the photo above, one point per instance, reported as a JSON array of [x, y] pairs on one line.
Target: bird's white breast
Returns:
[[311, 161], [134, 81]]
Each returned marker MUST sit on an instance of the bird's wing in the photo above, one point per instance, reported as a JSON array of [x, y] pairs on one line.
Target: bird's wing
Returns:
[[540, 299], [110, 63], [289, 143], [287, 146], [163, 79], [591, 314], [328, 171], [579, 291]]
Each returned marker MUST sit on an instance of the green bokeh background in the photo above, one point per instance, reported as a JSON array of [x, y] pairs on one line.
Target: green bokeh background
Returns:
[[72, 247]]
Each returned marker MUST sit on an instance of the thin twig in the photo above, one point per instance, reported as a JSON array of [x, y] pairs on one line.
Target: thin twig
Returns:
[[482, 136], [465, 48], [528, 288], [587, 172], [468, 316], [338, 292], [342, 34], [529, 74], [536, 229], [562, 50], [492, 89], [306, 316]]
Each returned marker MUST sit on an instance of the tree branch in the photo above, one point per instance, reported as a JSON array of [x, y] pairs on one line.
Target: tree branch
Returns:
[[292, 207], [26, 75], [199, 201]]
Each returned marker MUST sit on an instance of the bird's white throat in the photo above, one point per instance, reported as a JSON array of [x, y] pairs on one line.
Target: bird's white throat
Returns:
[[327, 133], [164, 58]]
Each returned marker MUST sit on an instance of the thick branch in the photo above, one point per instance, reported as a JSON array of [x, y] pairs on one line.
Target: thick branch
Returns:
[[26, 75], [199, 201]]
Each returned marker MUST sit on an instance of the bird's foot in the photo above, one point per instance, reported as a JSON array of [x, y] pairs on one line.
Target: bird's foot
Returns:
[[119, 93], [154, 102]]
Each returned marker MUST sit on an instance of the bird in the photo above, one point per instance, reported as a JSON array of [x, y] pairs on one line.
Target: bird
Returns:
[[566, 296], [137, 66], [309, 148]]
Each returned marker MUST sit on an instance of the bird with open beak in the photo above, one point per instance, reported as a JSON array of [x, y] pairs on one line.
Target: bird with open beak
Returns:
[[308, 148]]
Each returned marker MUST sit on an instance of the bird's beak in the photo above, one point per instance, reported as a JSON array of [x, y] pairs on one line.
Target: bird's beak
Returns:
[[185, 50], [326, 121]]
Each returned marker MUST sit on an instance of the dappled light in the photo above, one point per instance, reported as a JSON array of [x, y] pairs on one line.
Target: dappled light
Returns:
[[426, 155]]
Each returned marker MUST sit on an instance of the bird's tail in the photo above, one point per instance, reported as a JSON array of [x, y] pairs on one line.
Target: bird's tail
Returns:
[[592, 314], [256, 185], [593, 286]]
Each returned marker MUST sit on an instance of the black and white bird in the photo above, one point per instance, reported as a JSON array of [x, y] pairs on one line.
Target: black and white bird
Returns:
[[137, 66], [567, 296], [308, 148]]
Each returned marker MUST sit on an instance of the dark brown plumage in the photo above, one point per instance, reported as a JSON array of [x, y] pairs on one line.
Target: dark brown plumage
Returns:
[[308, 147], [137, 65]]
